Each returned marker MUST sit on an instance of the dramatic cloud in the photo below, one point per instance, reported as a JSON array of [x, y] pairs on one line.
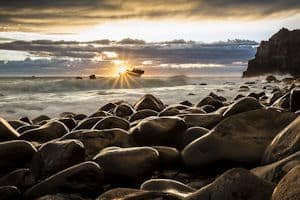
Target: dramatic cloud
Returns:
[[65, 15]]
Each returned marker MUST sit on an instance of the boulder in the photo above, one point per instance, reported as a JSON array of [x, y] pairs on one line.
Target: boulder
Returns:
[[55, 156], [158, 131], [289, 187], [283, 102], [295, 100], [235, 184], [46, 132], [142, 114], [112, 122], [88, 123], [40, 118], [242, 105], [96, 140], [79, 117], [21, 178], [7, 132], [190, 135], [209, 100], [208, 108], [68, 122], [123, 110], [275, 171], [22, 129], [9, 193], [85, 178], [148, 101], [62, 196], [127, 163], [174, 188], [240, 138], [15, 154], [100, 113], [169, 157], [108, 107], [284, 144], [17, 123], [208, 121]]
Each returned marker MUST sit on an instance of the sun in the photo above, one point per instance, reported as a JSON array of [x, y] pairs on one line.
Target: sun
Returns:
[[122, 70]]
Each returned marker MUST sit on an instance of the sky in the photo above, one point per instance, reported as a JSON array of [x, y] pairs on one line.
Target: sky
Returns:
[[155, 20]]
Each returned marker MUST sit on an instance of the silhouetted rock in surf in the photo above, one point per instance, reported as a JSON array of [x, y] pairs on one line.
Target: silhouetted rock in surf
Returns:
[[281, 54]]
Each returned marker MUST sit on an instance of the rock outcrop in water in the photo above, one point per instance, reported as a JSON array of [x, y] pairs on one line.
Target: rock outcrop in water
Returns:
[[281, 54]]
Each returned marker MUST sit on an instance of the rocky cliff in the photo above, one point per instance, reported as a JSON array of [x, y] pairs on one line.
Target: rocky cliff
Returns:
[[280, 55]]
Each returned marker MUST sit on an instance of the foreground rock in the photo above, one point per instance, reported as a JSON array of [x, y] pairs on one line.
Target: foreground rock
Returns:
[[9, 193], [21, 178], [157, 131], [235, 184], [127, 163], [278, 55], [202, 120], [239, 138], [149, 102], [85, 178], [7, 132], [243, 105], [289, 187], [284, 144]]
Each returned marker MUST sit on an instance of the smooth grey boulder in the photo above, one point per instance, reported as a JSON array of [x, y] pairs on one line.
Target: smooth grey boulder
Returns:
[[284, 144], [96, 140], [190, 135], [235, 184], [242, 105], [112, 122], [7, 132], [203, 120], [148, 101]]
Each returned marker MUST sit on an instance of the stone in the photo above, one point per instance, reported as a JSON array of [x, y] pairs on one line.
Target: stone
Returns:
[[15, 154], [100, 113], [49, 131], [209, 100], [208, 108], [186, 103], [21, 178], [68, 122], [96, 140], [190, 135], [22, 129], [284, 144], [55, 156], [112, 122], [17, 123], [283, 102], [289, 187], [123, 110], [84, 178], [127, 163], [169, 157], [10, 193], [61, 196], [79, 117], [148, 101], [108, 107], [235, 184], [280, 54], [208, 121], [174, 188], [275, 171], [244, 88], [88, 123], [142, 114], [158, 131], [295, 100], [7, 132], [242, 105], [240, 138], [40, 118]]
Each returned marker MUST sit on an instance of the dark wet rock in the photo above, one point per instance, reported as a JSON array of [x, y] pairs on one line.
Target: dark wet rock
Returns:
[[282, 102], [10, 193], [235, 184], [190, 135], [280, 54], [49, 131], [123, 110], [154, 131], [202, 83], [142, 114], [275, 96], [21, 178], [175, 188], [67, 115], [218, 97], [88, 123], [295, 100], [289, 187], [7, 132], [208, 108], [275, 171], [271, 78], [256, 95], [22, 129], [61, 196], [92, 77], [100, 113], [127, 163], [237, 97], [68, 122], [112, 122], [85, 178], [242, 105], [40, 118], [236, 139], [108, 107], [194, 110], [17, 123], [15, 154], [96, 140], [203, 120], [169, 112], [209, 100], [148, 101], [284, 144], [244, 88], [80, 117], [26, 119], [169, 157], [134, 194], [55, 156], [186, 103], [191, 94]]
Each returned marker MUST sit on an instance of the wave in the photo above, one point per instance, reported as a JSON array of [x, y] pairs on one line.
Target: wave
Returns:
[[48, 85]]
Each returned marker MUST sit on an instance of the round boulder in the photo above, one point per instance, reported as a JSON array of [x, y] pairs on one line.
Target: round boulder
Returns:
[[112, 122], [148, 101], [242, 105], [7, 132]]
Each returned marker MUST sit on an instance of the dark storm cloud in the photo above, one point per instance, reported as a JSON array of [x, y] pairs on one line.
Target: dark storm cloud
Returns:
[[53, 14]]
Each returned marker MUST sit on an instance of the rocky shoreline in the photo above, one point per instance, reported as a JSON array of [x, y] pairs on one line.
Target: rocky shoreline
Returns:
[[247, 147]]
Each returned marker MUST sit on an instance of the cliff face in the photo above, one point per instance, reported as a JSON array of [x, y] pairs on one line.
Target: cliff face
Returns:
[[281, 54]]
